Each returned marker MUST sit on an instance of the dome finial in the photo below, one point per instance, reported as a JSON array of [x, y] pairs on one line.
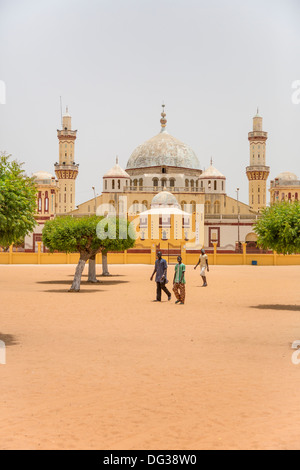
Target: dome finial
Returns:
[[117, 160], [163, 120], [211, 161]]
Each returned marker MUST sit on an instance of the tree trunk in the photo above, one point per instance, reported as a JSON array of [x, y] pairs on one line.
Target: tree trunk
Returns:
[[92, 270], [104, 264], [78, 273]]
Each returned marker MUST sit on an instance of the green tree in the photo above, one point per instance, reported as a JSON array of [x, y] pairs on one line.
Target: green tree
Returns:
[[86, 236], [17, 202], [278, 228]]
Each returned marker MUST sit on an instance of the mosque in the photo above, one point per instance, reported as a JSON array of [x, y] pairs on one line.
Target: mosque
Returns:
[[172, 202]]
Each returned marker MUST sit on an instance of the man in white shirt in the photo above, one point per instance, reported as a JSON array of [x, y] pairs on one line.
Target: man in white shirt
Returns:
[[203, 261]]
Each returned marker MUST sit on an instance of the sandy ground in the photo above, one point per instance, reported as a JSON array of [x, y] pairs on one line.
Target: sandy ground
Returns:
[[109, 369]]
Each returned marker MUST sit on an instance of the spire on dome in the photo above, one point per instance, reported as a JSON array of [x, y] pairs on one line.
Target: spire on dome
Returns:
[[211, 161], [117, 160], [163, 120]]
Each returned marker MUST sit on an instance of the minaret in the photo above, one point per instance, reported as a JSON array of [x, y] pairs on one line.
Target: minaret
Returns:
[[66, 170], [257, 172]]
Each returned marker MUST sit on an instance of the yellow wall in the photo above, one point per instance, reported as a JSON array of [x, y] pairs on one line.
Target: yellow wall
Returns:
[[149, 258]]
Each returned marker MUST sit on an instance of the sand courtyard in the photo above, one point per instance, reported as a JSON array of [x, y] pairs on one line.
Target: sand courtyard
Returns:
[[107, 368]]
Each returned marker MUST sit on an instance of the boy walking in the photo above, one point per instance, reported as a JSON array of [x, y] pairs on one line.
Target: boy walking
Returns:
[[203, 261], [179, 282]]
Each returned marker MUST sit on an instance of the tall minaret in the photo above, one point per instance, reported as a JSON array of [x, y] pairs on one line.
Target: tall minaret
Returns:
[[66, 170], [257, 172]]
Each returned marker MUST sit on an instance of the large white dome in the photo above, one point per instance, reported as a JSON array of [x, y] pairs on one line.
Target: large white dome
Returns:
[[163, 150]]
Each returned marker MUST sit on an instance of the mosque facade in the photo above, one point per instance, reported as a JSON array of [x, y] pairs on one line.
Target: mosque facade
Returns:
[[163, 185]]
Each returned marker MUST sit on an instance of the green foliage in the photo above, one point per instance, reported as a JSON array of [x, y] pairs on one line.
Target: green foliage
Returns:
[[17, 202], [279, 228], [79, 235]]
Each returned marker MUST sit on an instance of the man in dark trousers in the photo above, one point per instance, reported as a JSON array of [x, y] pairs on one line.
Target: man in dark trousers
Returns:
[[161, 277]]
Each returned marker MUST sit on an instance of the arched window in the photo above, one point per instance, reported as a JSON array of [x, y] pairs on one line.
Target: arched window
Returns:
[[105, 184], [135, 205], [192, 185], [296, 196], [201, 185], [46, 202], [222, 185], [163, 182], [40, 202], [193, 206], [155, 183], [197, 185], [145, 204], [119, 184], [113, 184], [217, 207], [290, 196], [187, 184], [183, 204], [172, 183], [141, 183], [207, 207], [215, 185], [135, 183]]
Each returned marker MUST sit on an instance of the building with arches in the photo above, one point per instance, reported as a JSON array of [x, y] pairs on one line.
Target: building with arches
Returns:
[[165, 163], [286, 187]]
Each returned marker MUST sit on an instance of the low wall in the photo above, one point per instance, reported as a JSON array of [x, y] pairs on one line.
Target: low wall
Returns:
[[149, 258]]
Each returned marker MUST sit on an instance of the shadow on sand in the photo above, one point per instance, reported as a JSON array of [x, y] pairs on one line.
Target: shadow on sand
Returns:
[[66, 291], [291, 308], [9, 340], [103, 282], [101, 276]]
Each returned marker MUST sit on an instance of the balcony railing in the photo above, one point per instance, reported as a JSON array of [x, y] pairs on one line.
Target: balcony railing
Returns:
[[172, 189], [258, 168]]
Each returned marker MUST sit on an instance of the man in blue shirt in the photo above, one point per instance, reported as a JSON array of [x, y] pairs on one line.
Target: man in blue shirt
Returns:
[[161, 277]]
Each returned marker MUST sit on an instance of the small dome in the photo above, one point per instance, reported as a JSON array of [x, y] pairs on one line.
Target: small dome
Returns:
[[287, 176], [42, 176], [212, 172], [164, 199], [116, 172]]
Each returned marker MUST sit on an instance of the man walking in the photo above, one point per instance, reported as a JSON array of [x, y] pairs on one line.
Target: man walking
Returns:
[[161, 277], [203, 261], [179, 282]]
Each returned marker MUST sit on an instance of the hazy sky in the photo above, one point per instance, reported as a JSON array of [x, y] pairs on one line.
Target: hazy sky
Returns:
[[115, 61]]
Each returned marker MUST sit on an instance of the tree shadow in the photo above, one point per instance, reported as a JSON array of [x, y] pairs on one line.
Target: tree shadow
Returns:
[[66, 291], [83, 283], [291, 308], [9, 340], [101, 275]]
